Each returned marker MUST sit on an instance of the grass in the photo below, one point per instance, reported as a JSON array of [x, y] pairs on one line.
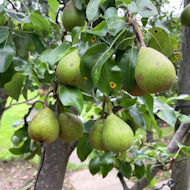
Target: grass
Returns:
[[11, 115]]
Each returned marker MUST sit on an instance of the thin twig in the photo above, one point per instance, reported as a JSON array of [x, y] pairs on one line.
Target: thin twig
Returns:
[[137, 30], [28, 113], [120, 176], [13, 5], [46, 97], [40, 167], [24, 102], [108, 104]]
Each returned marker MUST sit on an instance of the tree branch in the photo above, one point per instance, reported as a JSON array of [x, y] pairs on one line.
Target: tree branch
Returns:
[[13, 5], [18, 103], [120, 176], [178, 137], [137, 29]]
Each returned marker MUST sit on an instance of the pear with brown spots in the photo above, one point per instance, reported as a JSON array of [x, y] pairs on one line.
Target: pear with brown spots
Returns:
[[68, 69], [44, 127], [154, 72]]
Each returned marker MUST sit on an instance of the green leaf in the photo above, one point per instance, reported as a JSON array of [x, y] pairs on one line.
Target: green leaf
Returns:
[[92, 10], [100, 29], [114, 23], [18, 16], [75, 34], [2, 7], [19, 136], [139, 171], [88, 125], [146, 8], [71, 96], [93, 60], [149, 102], [94, 165], [168, 116], [184, 149], [107, 163], [160, 40], [125, 169], [6, 76], [14, 87], [180, 97], [127, 65], [7, 53], [24, 66], [83, 148], [4, 33], [137, 117], [166, 113], [40, 24], [183, 118], [51, 56], [37, 43], [127, 101], [111, 77], [53, 7], [21, 150]]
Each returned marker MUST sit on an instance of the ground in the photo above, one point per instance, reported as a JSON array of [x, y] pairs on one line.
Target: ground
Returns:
[[15, 173]]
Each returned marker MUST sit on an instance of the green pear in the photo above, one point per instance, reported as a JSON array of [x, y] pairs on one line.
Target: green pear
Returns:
[[71, 127], [154, 72], [68, 69], [44, 127], [95, 135], [185, 16], [117, 135], [72, 16]]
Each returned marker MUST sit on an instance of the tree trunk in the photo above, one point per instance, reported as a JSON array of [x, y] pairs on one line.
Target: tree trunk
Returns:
[[3, 101], [181, 171], [53, 165]]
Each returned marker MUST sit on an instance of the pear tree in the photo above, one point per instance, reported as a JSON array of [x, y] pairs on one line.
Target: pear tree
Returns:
[[106, 66]]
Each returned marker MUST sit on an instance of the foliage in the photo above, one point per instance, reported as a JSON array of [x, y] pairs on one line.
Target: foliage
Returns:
[[33, 42]]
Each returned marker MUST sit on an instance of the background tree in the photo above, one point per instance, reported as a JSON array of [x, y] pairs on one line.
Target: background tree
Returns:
[[180, 172]]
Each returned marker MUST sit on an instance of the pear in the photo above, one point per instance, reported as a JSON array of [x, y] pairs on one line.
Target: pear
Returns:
[[71, 127], [154, 72], [95, 135], [185, 16], [117, 135], [68, 69], [136, 91], [72, 16], [44, 127]]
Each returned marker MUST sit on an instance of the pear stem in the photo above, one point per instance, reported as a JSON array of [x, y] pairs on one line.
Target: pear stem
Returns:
[[103, 107], [46, 97], [137, 29], [109, 106]]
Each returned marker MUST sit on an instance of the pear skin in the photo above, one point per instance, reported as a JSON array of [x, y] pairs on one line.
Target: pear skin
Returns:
[[72, 16], [154, 72], [137, 91], [44, 127], [185, 16], [117, 135], [95, 135], [68, 69], [71, 127]]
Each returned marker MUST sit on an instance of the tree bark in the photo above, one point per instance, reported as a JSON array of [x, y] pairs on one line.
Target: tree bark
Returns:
[[3, 101], [53, 165], [181, 171]]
